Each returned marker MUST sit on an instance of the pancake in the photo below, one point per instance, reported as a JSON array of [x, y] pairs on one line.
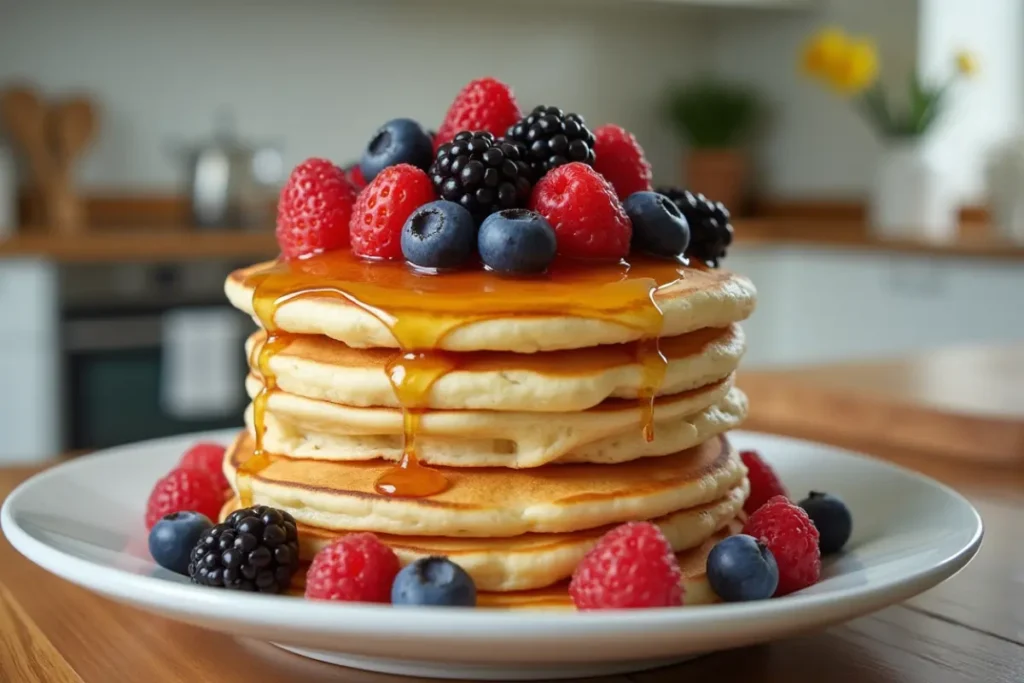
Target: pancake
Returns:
[[555, 381], [492, 502], [570, 308], [692, 563], [533, 560], [305, 427], [611, 433]]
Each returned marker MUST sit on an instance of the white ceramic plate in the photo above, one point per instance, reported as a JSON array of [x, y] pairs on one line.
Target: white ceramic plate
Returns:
[[83, 521]]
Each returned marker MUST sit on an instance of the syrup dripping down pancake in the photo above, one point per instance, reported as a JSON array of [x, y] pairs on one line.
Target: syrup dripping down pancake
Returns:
[[557, 381], [610, 433], [492, 502]]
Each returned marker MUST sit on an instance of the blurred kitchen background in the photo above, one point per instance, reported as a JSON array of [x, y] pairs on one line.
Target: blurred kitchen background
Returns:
[[142, 143]]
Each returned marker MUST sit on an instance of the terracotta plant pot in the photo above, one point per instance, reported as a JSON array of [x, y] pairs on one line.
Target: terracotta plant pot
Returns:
[[720, 175]]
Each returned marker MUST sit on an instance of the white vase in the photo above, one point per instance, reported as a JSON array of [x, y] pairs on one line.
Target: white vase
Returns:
[[911, 197]]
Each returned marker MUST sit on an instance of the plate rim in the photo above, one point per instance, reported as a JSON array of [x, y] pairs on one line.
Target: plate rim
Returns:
[[468, 625]]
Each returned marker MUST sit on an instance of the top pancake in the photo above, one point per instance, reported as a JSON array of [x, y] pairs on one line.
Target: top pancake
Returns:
[[365, 304]]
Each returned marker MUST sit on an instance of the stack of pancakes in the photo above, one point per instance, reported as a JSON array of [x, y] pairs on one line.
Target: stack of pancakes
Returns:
[[535, 424]]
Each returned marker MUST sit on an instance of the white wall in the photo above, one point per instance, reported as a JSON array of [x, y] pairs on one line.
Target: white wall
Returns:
[[987, 109], [320, 75], [815, 144]]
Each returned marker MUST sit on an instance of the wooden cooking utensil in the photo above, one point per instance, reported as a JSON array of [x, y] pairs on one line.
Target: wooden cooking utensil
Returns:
[[24, 116], [72, 125]]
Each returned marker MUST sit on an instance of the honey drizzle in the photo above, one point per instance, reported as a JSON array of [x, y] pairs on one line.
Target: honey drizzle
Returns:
[[421, 310]]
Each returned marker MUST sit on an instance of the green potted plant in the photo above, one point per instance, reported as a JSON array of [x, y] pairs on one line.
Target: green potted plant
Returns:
[[714, 119]]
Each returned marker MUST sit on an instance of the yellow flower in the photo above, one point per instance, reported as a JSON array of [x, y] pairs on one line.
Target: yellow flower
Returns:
[[966, 63], [824, 50], [856, 69]]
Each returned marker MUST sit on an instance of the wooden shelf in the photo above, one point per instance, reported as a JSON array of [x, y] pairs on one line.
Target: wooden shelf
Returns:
[[183, 243]]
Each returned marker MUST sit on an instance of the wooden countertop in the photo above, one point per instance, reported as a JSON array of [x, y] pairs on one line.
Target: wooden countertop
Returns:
[[969, 629], [974, 241], [965, 403]]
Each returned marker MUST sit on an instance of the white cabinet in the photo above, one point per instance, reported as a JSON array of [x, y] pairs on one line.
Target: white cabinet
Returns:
[[30, 397], [819, 305]]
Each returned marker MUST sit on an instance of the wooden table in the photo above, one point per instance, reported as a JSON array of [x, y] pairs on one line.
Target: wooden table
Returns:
[[970, 629]]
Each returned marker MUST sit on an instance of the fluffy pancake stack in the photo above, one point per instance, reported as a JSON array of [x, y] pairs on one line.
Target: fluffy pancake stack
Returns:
[[535, 418]]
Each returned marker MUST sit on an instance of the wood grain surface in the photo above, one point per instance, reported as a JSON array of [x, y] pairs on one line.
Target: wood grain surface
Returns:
[[969, 630]]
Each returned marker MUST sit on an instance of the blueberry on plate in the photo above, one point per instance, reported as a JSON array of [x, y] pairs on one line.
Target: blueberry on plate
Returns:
[[741, 568], [172, 538], [439, 234], [659, 227], [831, 518], [399, 141], [516, 241], [433, 581]]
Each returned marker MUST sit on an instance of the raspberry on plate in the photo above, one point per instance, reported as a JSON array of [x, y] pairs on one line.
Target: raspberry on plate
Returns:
[[764, 483], [584, 211], [383, 207], [620, 159], [209, 458], [631, 566], [485, 104], [314, 209], [791, 536], [181, 490], [355, 568]]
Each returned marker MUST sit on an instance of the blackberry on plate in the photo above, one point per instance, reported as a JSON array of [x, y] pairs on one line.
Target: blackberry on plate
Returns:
[[553, 138], [481, 173], [710, 229], [254, 549]]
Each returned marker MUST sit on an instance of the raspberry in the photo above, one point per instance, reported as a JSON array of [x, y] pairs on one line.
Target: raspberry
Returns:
[[485, 104], [356, 567], [631, 566], [314, 209], [789, 533], [620, 159], [208, 458], [182, 490], [354, 176], [764, 483], [582, 207], [383, 206]]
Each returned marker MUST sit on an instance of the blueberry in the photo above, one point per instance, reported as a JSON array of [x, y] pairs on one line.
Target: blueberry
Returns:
[[741, 568], [516, 241], [399, 141], [433, 581], [659, 227], [438, 235], [172, 538], [832, 519]]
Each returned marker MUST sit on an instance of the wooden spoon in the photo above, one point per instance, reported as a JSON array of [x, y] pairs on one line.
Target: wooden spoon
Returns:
[[72, 125], [24, 116]]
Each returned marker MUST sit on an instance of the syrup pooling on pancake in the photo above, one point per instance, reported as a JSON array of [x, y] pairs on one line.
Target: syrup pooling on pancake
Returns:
[[421, 309]]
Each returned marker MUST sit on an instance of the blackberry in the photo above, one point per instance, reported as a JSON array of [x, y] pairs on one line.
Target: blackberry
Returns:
[[552, 138], [481, 173], [254, 549], [710, 229]]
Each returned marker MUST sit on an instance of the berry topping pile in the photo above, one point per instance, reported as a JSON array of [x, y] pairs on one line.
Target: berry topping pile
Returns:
[[592, 188], [631, 566], [255, 549]]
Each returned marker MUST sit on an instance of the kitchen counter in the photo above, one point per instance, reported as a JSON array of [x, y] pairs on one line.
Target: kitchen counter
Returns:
[[974, 240], [963, 403]]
